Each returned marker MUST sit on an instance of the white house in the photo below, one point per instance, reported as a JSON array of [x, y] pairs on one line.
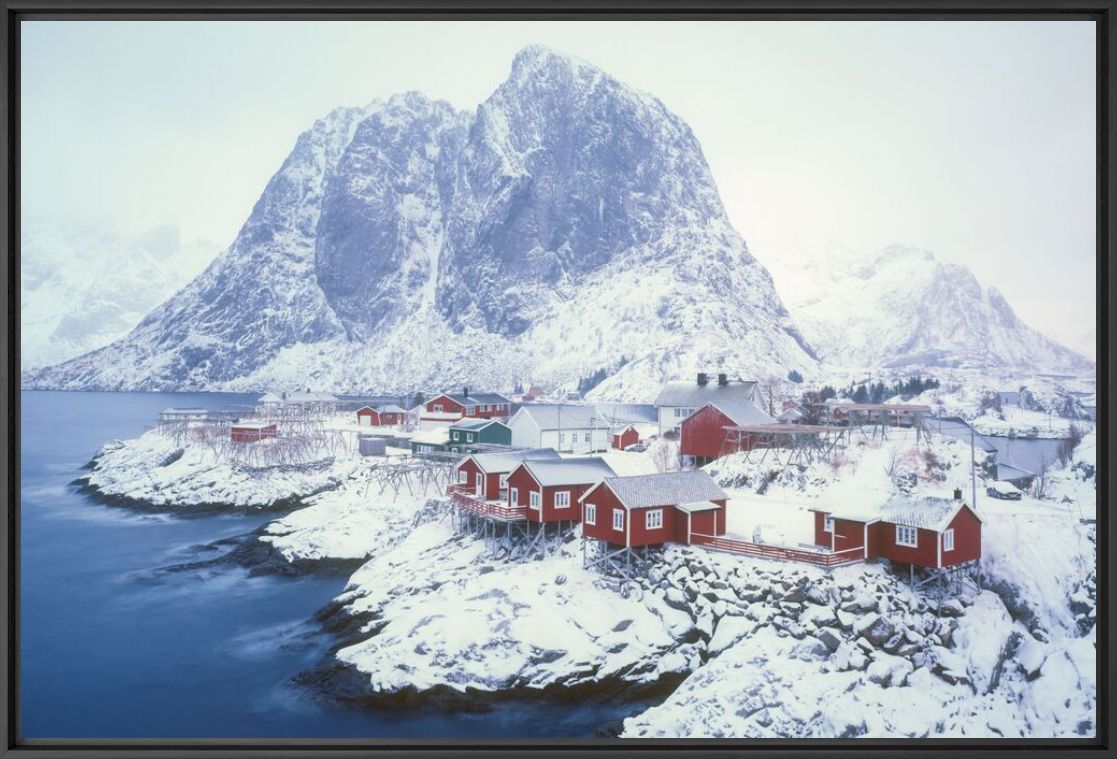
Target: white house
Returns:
[[679, 398], [564, 427]]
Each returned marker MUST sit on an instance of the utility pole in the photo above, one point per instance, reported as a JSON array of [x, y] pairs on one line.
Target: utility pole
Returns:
[[973, 469]]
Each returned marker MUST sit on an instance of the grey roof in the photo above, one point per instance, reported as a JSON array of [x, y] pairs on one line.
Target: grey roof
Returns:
[[474, 399], [924, 512], [549, 473], [666, 489], [741, 412], [390, 408], [506, 461], [564, 416], [688, 393], [475, 424], [699, 506], [627, 413]]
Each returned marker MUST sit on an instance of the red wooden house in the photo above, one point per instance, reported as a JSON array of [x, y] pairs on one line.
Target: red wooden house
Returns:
[[550, 488], [380, 416], [485, 475], [626, 437], [451, 407], [250, 432], [925, 532], [651, 509], [702, 434]]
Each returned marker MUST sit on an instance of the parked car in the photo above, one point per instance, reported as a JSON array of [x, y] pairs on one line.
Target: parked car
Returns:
[[636, 447], [1005, 491]]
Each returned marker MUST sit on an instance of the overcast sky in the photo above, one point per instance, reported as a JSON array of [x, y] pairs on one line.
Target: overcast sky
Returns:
[[975, 140]]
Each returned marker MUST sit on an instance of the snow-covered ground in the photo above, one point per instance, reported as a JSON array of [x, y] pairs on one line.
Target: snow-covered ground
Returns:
[[749, 648]]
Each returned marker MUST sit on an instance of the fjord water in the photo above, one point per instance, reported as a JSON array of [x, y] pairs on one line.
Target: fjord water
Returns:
[[109, 649]]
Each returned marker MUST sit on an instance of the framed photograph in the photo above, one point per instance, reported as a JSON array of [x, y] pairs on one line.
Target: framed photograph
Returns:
[[394, 378]]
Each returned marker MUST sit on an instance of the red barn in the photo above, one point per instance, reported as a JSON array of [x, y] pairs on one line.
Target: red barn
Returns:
[[925, 532], [651, 509], [250, 432], [486, 474], [702, 434], [626, 437], [380, 416], [550, 488]]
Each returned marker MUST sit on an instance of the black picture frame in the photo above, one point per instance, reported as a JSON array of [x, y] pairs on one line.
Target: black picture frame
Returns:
[[1102, 12]]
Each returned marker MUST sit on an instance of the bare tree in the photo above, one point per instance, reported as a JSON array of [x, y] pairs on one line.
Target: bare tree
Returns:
[[665, 456]]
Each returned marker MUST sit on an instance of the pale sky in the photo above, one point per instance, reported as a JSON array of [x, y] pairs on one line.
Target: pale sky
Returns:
[[973, 139]]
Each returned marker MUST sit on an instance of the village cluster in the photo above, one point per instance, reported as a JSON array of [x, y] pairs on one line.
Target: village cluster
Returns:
[[527, 471]]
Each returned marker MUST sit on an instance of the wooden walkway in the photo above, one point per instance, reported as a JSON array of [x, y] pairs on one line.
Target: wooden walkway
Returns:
[[780, 553], [463, 498]]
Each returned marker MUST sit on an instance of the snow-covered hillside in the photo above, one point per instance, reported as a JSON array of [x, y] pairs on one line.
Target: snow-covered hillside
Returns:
[[902, 307], [568, 225], [83, 286]]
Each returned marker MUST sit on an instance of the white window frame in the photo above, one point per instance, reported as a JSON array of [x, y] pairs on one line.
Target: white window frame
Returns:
[[503, 481], [535, 500], [479, 483], [513, 497], [618, 520], [562, 439], [901, 531], [828, 525], [562, 499], [436, 408], [456, 438], [463, 477], [591, 513], [948, 540], [653, 519]]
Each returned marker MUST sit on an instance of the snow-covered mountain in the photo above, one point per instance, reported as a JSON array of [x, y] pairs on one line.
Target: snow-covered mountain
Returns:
[[902, 307], [83, 286], [569, 224]]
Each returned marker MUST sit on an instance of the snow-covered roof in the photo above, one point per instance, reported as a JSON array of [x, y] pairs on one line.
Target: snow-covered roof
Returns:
[[269, 398], [253, 425], [551, 472], [475, 424], [664, 489], [924, 512], [437, 436], [627, 413], [697, 506], [688, 393], [564, 416], [740, 412], [474, 399], [390, 408], [790, 415], [505, 461], [173, 410], [299, 396]]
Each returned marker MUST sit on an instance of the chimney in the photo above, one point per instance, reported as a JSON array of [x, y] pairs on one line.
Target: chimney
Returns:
[[465, 391], [702, 379], [723, 380], [957, 494]]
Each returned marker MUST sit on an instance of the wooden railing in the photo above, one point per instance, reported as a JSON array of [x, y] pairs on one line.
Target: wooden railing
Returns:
[[780, 553], [463, 497]]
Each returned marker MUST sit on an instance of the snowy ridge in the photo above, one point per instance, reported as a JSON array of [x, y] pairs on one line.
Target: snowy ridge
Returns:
[[902, 307], [569, 224]]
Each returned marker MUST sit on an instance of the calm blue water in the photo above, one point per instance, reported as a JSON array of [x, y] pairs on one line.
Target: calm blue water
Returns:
[[107, 651]]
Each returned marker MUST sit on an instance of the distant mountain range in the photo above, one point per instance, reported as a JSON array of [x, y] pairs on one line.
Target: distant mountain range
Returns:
[[83, 286], [567, 227], [902, 307]]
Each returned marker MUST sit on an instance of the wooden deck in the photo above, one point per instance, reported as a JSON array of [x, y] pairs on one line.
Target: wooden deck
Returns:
[[463, 497], [780, 553]]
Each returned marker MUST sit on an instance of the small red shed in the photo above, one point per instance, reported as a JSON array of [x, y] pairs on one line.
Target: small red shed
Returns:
[[702, 434], [550, 488], [251, 432], [626, 437], [923, 531], [651, 509]]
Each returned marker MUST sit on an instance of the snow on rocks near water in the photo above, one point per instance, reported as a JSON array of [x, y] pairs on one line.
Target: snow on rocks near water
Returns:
[[156, 471]]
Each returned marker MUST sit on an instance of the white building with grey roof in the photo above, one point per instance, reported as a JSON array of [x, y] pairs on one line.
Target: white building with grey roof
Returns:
[[680, 398], [566, 427]]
